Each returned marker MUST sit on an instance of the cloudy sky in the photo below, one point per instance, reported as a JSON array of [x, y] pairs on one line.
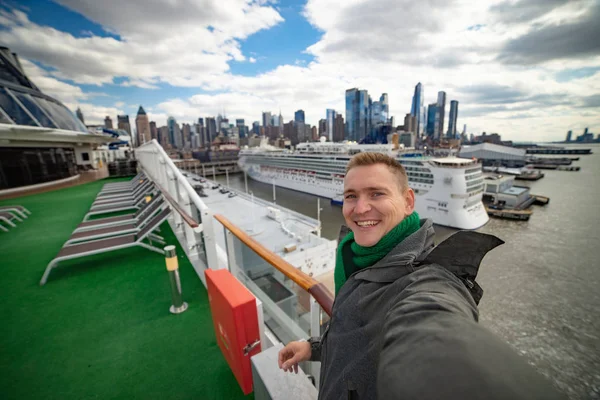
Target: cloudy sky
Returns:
[[527, 69]]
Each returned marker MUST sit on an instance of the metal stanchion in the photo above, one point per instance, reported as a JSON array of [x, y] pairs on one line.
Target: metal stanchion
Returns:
[[179, 305]]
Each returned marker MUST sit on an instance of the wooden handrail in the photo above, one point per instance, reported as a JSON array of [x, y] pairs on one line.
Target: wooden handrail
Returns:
[[186, 217], [317, 289]]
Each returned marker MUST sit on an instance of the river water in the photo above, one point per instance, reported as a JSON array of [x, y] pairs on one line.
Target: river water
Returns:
[[542, 287]]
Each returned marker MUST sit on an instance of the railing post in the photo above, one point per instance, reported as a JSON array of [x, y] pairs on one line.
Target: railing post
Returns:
[[172, 189], [190, 236], [162, 173], [210, 242], [231, 258]]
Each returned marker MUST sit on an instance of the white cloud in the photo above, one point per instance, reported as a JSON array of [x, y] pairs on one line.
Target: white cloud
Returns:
[[379, 45], [161, 44], [52, 86]]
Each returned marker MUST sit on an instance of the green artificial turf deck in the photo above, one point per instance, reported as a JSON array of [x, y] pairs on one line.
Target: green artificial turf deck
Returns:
[[100, 328]]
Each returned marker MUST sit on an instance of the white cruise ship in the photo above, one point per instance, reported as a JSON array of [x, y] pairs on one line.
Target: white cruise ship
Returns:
[[447, 190]]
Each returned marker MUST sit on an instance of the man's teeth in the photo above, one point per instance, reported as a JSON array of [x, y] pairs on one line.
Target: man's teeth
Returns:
[[367, 223]]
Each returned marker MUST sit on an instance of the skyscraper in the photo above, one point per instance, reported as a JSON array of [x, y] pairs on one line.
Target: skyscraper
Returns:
[[299, 116], [330, 118], [174, 133], [108, 123], [153, 130], [275, 120], [338, 128], [441, 102], [288, 129], [142, 126], [256, 128], [186, 135], [240, 123], [211, 130], [322, 127], [219, 120], [410, 123], [418, 110], [80, 115], [266, 118], [123, 123], [357, 114], [430, 130], [569, 134], [452, 119], [163, 136], [385, 105]]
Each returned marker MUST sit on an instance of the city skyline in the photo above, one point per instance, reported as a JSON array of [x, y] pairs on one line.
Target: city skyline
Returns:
[[495, 59]]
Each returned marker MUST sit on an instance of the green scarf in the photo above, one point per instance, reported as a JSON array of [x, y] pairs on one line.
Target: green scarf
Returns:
[[362, 257]]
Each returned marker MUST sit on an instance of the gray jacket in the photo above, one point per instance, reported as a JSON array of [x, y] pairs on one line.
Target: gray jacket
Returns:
[[406, 328]]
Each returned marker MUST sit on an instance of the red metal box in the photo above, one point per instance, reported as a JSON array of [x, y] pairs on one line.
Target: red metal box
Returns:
[[235, 319]]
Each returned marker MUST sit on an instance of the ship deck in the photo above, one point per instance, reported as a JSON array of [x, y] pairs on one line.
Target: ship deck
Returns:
[[101, 327], [251, 215]]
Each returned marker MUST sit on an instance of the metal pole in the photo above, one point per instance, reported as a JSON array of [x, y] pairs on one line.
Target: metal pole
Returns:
[[319, 215], [196, 168], [203, 171], [246, 181], [214, 176], [274, 196], [227, 175], [179, 305], [253, 213]]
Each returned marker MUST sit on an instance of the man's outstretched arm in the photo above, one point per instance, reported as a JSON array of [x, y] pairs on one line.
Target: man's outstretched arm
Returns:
[[433, 348]]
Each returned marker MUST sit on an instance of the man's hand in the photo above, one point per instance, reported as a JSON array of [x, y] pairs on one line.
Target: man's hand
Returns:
[[292, 354]]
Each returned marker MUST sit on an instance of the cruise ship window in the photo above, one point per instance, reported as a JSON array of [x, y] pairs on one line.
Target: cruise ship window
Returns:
[[6, 74], [13, 110], [34, 109], [4, 118], [61, 115]]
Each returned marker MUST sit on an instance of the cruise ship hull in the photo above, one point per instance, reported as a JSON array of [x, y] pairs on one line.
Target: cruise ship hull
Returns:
[[431, 201]]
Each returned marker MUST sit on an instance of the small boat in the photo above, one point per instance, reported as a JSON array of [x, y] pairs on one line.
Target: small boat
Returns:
[[500, 212], [540, 200], [338, 200]]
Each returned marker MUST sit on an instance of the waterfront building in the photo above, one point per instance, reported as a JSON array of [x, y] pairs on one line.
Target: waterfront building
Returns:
[[123, 123], [266, 118], [142, 126], [153, 130], [330, 118], [441, 114], [338, 128], [430, 130], [357, 114], [452, 119], [108, 124], [418, 110]]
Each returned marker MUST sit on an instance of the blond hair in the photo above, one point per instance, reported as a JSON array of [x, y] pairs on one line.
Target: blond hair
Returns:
[[368, 158]]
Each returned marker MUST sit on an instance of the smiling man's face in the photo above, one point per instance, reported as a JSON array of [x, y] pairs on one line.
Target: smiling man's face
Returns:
[[374, 202]]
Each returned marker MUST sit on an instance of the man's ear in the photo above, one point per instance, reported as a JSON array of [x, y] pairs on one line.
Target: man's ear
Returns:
[[409, 199]]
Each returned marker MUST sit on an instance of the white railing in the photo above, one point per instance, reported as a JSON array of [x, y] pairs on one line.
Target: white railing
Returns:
[[203, 250]]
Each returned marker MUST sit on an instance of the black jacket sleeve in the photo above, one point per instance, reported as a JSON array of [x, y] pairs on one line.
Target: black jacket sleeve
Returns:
[[315, 348], [433, 348]]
